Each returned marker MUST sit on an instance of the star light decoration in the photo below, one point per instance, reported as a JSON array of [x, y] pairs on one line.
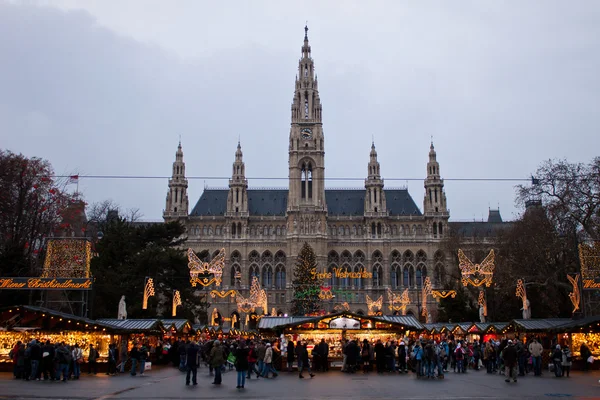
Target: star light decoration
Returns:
[[198, 267], [398, 302], [374, 306], [67, 258], [222, 294], [176, 301], [476, 274], [425, 292], [575, 295], [148, 292]]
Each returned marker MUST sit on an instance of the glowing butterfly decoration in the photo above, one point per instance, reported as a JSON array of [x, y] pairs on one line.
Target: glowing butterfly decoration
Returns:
[[273, 312], [258, 296], [148, 292], [342, 306], [198, 267], [476, 274], [425, 292], [575, 296], [176, 301], [244, 305], [374, 306], [398, 302], [326, 293]]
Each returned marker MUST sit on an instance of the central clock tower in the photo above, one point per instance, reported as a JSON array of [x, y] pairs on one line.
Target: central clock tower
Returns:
[[306, 148]]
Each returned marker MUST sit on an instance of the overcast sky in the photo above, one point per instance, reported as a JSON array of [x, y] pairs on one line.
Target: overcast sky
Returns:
[[107, 87]]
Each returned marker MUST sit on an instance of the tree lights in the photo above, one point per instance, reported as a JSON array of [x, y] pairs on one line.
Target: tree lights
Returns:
[[425, 292], [68, 258]]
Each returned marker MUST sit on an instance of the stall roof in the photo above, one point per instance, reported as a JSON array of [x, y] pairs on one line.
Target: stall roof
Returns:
[[406, 320], [134, 324], [58, 314], [177, 323], [282, 322], [578, 324], [279, 322], [539, 324]]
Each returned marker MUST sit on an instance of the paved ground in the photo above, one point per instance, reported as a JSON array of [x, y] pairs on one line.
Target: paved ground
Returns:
[[168, 383]]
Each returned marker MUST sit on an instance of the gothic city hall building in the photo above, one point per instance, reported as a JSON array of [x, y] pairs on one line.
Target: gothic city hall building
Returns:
[[379, 235]]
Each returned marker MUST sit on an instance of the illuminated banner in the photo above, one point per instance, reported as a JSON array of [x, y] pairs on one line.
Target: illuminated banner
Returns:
[[342, 273], [46, 283]]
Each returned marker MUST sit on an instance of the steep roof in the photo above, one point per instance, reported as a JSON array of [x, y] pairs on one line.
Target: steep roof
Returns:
[[273, 202]]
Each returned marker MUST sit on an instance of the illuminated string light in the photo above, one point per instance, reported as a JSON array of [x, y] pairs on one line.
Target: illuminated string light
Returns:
[[476, 274], [425, 292], [67, 258], [198, 267], [398, 302], [589, 257], [443, 294], [482, 302], [222, 294], [176, 301], [374, 306], [325, 293], [148, 292], [575, 296], [342, 306]]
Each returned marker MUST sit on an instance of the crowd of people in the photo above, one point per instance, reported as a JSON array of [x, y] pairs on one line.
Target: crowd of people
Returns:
[[428, 359], [48, 361]]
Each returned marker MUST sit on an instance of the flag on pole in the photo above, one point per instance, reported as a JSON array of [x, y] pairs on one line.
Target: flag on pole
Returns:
[[74, 179]]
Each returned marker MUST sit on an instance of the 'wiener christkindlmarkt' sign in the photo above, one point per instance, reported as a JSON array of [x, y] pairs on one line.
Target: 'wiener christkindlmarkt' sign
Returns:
[[46, 283]]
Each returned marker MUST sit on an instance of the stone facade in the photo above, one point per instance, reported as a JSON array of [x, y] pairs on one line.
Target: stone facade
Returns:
[[377, 230]]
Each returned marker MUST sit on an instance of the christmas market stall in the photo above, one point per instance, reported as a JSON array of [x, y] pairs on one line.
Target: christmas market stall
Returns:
[[336, 327], [578, 334], [146, 331], [25, 323]]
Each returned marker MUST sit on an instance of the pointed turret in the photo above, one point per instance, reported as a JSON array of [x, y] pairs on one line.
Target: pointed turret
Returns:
[[434, 203], [177, 198], [237, 200], [375, 196]]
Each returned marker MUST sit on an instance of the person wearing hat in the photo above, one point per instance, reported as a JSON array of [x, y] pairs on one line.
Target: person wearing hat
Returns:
[[509, 355], [268, 363], [402, 357], [557, 357]]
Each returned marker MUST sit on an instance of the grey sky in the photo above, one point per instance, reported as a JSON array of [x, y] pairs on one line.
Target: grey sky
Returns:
[[107, 87]]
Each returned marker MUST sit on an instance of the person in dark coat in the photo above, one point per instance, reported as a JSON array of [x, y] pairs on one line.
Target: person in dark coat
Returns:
[[585, 354], [402, 357], [191, 362], [380, 356], [241, 363], [291, 351], [323, 356], [48, 361], [509, 355], [302, 355]]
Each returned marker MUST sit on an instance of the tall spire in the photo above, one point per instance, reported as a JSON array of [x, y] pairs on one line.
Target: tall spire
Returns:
[[375, 203], [237, 199], [435, 198], [177, 198]]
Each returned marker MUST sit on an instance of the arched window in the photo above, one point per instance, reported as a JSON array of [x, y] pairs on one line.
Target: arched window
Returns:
[[419, 277], [253, 272], [235, 275], [345, 282], [421, 267], [441, 229], [377, 260], [395, 269], [233, 230], [358, 282], [333, 260], [405, 277], [205, 230], [218, 230], [440, 269], [267, 276], [280, 277], [347, 230]]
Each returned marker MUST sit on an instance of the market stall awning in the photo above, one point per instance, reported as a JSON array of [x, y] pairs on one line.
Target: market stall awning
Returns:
[[403, 322], [135, 325], [535, 325], [586, 324], [180, 325], [26, 317]]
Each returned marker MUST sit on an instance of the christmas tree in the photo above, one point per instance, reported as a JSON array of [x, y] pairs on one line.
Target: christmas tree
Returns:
[[306, 285]]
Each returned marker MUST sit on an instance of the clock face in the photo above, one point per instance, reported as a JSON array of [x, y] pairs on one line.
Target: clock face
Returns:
[[306, 133]]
